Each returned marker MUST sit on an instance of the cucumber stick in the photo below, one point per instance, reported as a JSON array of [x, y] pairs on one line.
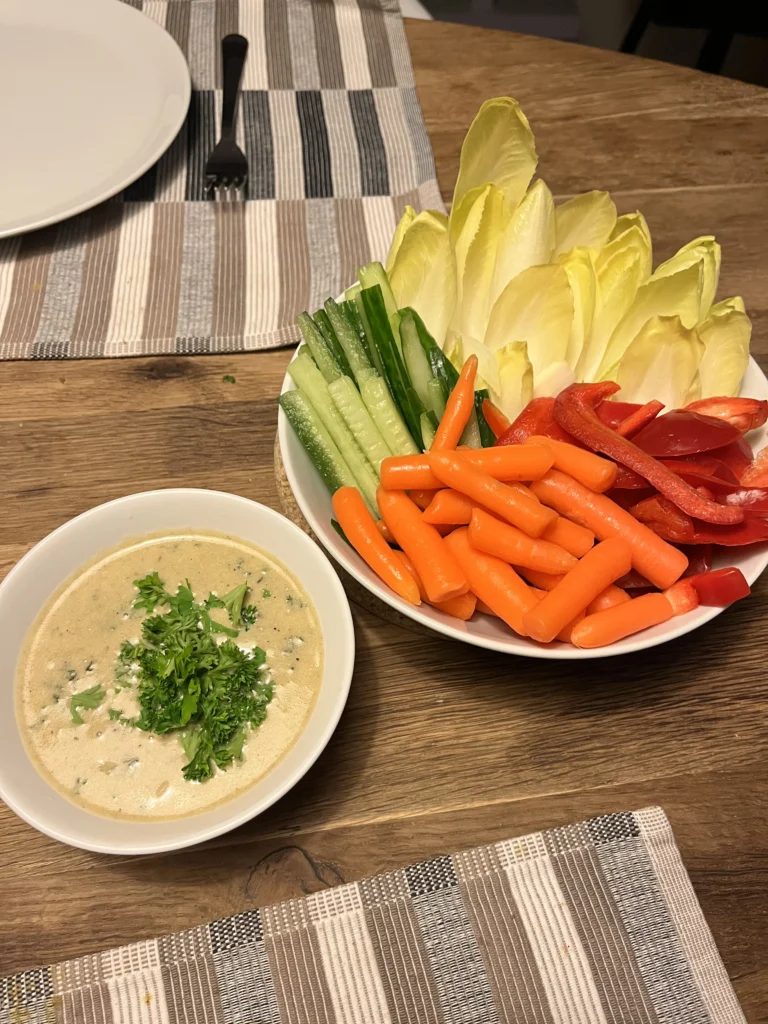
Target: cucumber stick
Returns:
[[487, 436], [319, 444], [417, 365], [442, 368], [347, 400], [324, 326], [374, 274], [326, 363], [436, 398], [427, 431], [385, 414], [348, 338], [310, 381], [369, 345]]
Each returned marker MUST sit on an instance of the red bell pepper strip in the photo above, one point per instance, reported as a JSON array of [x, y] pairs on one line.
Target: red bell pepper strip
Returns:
[[696, 473], [742, 413], [639, 418], [682, 432], [720, 587], [495, 418], [699, 559], [710, 464], [575, 412], [754, 500], [756, 475], [678, 527], [752, 531], [683, 597], [613, 414], [536, 418], [627, 480], [737, 456]]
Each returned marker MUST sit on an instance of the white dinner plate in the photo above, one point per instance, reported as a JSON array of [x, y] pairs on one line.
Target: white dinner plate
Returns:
[[92, 93]]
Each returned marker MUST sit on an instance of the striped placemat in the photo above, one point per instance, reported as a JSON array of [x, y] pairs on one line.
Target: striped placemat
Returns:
[[332, 128], [594, 923]]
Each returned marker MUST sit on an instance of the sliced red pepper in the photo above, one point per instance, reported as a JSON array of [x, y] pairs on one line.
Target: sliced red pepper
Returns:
[[682, 432], [737, 456], [742, 413], [753, 500], [575, 412], [720, 587], [751, 531], [614, 413], [536, 418], [683, 596], [696, 473], [756, 475], [699, 559], [495, 418], [660, 511], [634, 581], [709, 464], [639, 418], [627, 480]]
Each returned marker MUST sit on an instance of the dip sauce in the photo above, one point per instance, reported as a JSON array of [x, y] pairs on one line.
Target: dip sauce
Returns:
[[114, 769]]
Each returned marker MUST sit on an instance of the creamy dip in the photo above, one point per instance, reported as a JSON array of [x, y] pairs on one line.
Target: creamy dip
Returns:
[[115, 769]]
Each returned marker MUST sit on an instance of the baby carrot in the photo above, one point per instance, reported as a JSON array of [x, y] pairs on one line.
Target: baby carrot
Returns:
[[659, 562], [438, 569], [458, 408], [541, 580], [621, 620], [421, 496], [383, 529], [362, 533], [608, 598], [589, 577], [486, 609], [462, 607], [455, 471], [449, 508], [589, 469], [493, 581], [574, 538], [509, 462], [566, 632], [495, 418], [489, 534]]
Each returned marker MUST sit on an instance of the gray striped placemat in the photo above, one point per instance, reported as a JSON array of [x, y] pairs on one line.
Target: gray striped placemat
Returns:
[[594, 923], [336, 144]]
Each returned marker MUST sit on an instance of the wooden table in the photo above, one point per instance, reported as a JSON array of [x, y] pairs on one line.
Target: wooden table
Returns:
[[442, 745]]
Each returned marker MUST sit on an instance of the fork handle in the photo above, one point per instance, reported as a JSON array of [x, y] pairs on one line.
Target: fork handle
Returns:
[[234, 49]]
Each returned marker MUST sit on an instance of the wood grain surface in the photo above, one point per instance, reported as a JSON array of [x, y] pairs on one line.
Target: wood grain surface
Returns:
[[442, 745]]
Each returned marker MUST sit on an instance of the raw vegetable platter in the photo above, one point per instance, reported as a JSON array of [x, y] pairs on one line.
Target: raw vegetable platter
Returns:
[[515, 546]]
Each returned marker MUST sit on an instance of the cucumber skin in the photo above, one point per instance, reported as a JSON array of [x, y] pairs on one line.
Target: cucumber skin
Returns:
[[325, 456]]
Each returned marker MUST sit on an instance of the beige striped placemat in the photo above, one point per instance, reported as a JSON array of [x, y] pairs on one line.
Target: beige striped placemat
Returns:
[[331, 125], [595, 923]]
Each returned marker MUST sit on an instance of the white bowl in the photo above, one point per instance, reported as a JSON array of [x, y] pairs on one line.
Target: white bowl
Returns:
[[314, 501], [49, 563]]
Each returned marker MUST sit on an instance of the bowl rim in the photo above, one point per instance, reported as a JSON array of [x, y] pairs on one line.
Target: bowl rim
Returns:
[[342, 683], [456, 630]]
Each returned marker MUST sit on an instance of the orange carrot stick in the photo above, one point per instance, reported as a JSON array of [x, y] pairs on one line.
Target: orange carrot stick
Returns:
[[608, 598], [438, 569], [486, 609], [458, 408], [510, 462], [589, 577], [493, 581], [360, 530], [541, 580], [574, 538], [383, 529], [495, 418], [421, 496], [517, 508], [659, 562], [566, 632], [449, 508], [589, 469], [462, 607], [489, 534], [622, 620]]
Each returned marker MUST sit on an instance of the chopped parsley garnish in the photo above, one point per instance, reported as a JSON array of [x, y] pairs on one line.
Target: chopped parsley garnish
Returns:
[[266, 593], [211, 692], [88, 699], [229, 379]]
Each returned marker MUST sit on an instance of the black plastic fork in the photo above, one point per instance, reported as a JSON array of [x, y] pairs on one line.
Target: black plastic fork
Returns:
[[226, 170]]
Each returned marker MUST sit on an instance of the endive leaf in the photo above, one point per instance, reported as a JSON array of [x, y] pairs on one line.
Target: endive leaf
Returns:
[[726, 336], [535, 307], [487, 363], [662, 363], [617, 284], [498, 149], [585, 220], [409, 215], [722, 307], [634, 220], [579, 265], [515, 375], [676, 295], [705, 250], [529, 238], [634, 239], [423, 274], [475, 260], [552, 380]]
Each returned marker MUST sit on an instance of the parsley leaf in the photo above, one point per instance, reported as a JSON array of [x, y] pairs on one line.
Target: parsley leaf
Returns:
[[266, 593], [212, 693], [228, 379], [89, 699], [114, 714]]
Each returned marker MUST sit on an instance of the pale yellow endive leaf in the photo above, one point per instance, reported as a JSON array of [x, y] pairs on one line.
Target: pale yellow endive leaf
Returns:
[[528, 240], [409, 215], [579, 265], [515, 389], [586, 220], [705, 250], [475, 261], [423, 274], [726, 335], [617, 284], [635, 239], [661, 363]]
